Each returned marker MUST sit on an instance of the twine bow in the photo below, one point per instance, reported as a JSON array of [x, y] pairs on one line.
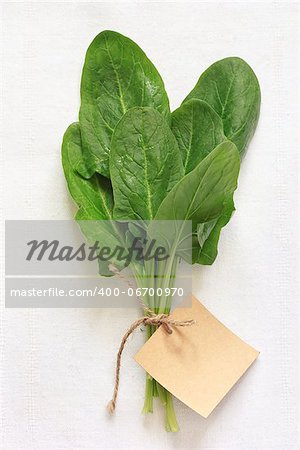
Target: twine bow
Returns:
[[150, 319]]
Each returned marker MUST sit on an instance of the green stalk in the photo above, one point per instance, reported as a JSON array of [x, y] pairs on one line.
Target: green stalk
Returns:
[[155, 388], [150, 383], [164, 395], [148, 403], [171, 421], [158, 275]]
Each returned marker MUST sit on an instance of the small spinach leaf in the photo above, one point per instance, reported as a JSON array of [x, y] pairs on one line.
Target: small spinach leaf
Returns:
[[117, 75], [231, 88], [208, 234], [198, 130], [94, 196], [145, 164]]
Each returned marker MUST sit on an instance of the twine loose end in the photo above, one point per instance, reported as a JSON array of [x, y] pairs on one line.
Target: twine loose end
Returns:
[[111, 406]]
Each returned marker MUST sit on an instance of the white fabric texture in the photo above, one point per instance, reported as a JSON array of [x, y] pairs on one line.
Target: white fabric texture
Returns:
[[57, 365]]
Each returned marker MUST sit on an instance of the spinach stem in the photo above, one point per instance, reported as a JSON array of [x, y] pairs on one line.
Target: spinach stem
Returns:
[[148, 403], [171, 421], [158, 275]]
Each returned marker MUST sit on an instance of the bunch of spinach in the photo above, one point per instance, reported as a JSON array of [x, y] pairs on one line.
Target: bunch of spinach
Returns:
[[129, 158]]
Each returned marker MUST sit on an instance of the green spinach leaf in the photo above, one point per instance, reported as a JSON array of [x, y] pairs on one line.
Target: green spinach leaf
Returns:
[[231, 88], [200, 195], [198, 130], [205, 249], [145, 164], [93, 197], [117, 75]]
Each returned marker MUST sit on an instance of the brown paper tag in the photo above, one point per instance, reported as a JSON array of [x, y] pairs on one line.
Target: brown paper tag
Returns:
[[198, 364]]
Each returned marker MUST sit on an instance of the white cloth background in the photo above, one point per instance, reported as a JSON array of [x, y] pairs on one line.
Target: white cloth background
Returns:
[[57, 365]]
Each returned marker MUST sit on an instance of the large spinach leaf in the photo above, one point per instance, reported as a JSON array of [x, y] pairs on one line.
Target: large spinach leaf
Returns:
[[199, 197], [145, 164], [201, 194], [198, 130], [231, 88], [117, 75]]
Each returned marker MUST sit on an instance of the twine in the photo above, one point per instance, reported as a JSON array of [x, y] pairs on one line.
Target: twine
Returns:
[[151, 319]]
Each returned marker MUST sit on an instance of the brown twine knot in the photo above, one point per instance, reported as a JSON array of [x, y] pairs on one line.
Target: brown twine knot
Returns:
[[152, 319]]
